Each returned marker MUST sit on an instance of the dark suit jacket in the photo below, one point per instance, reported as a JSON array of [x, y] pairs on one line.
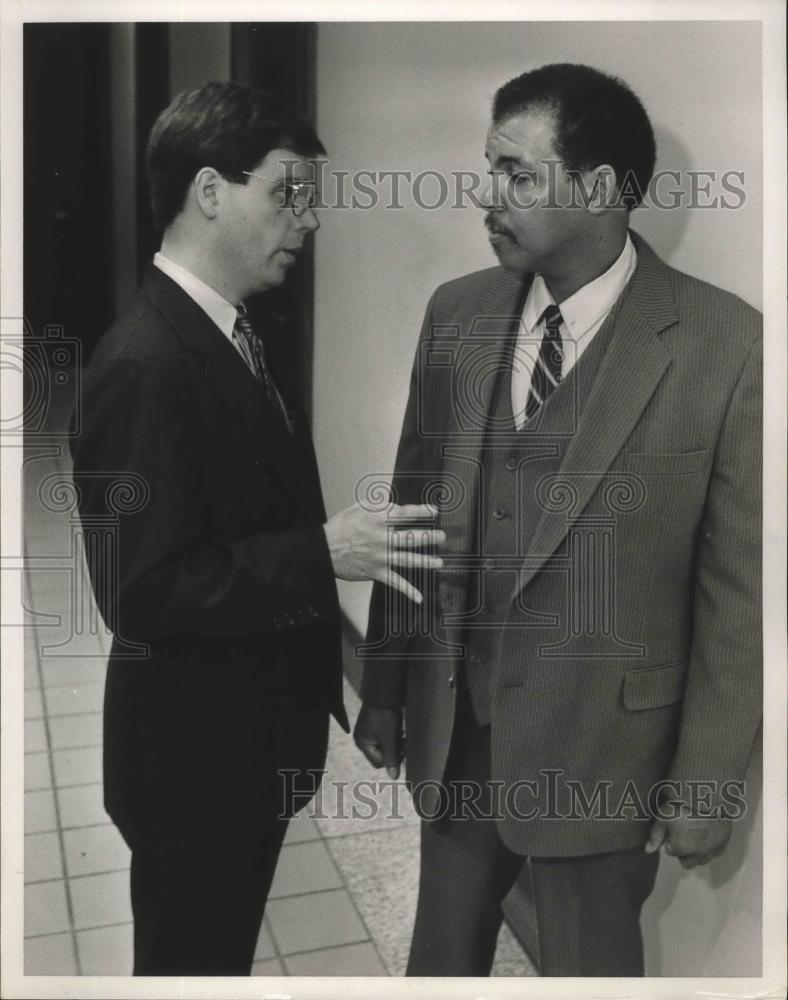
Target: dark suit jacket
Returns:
[[674, 415], [221, 569]]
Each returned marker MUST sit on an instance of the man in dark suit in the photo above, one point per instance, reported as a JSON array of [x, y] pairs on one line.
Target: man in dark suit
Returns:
[[223, 569], [586, 670]]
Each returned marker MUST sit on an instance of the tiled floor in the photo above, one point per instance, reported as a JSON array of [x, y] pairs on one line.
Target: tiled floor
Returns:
[[343, 897]]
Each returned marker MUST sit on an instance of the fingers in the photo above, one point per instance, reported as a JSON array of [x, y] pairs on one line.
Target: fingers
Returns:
[[411, 512], [418, 539], [392, 579], [656, 837], [415, 560]]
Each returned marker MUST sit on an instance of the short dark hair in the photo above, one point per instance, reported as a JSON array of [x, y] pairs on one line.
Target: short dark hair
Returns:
[[598, 120], [227, 126]]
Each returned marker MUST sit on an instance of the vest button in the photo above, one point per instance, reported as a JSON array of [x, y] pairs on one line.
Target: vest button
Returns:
[[476, 659], [499, 514], [484, 609], [511, 465]]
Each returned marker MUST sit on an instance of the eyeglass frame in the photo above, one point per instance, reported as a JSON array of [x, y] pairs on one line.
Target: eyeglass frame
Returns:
[[293, 186]]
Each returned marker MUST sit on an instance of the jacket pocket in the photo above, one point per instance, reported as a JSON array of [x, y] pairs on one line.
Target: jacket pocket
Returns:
[[665, 463], [654, 687]]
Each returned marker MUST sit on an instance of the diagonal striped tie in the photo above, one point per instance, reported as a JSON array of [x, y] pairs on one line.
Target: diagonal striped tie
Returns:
[[547, 371], [253, 352]]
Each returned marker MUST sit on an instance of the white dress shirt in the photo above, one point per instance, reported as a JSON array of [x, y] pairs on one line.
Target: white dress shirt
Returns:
[[582, 315], [222, 312]]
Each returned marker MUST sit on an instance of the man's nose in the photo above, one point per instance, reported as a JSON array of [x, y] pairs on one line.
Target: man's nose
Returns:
[[491, 193], [307, 221]]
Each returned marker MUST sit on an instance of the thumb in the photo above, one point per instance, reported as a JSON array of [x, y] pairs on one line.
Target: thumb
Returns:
[[656, 836], [390, 745]]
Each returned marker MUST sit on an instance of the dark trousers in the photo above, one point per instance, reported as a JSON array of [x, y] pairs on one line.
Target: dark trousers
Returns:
[[197, 909], [199, 914], [587, 908]]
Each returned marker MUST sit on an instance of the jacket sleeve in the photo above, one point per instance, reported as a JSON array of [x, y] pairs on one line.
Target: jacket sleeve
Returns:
[[723, 698], [165, 577], [384, 676]]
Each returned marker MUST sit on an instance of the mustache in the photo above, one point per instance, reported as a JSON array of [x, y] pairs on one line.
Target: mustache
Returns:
[[494, 226]]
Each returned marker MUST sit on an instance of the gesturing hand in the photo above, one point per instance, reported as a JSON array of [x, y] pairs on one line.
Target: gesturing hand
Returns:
[[363, 545], [378, 735]]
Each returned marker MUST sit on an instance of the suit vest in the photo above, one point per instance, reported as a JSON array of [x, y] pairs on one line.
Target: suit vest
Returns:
[[512, 464]]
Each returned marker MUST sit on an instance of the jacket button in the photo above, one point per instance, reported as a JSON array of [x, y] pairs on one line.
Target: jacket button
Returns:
[[476, 660], [499, 514], [511, 465], [484, 610]]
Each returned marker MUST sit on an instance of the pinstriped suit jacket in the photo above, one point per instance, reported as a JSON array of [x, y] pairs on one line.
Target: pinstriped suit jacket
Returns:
[[589, 717]]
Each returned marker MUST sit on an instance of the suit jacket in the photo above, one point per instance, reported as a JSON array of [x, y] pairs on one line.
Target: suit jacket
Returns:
[[666, 447], [219, 571]]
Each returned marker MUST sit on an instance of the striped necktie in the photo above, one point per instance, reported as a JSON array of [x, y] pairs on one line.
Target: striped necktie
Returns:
[[547, 371], [253, 352]]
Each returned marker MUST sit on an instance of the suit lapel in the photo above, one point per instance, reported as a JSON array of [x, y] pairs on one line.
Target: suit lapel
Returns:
[[633, 365], [234, 385]]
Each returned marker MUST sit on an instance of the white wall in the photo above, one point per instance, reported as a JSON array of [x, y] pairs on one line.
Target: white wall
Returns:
[[417, 96]]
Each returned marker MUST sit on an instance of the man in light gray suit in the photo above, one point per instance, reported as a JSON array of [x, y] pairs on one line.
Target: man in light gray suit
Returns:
[[583, 686]]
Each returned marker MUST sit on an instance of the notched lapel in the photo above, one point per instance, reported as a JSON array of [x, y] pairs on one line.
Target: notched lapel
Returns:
[[633, 366], [234, 386]]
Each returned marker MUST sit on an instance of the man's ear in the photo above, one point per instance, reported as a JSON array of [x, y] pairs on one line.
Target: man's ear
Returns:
[[603, 188], [206, 184]]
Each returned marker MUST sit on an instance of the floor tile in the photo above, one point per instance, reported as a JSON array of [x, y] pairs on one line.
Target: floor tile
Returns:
[[268, 967], [301, 829], [304, 868], [42, 857], [510, 959], [34, 705], [74, 699], [107, 951], [37, 773], [319, 920], [95, 849], [49, 586], [32, 679], [40, 815], [381, 871], [265, 944], [99, 900], [45, 908], [67, 671], [35, 735], [82, 805], [77, 767], [67, 731], [347, 960], [50, 955]]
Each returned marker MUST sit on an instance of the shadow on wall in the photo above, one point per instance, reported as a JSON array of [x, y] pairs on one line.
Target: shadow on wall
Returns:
[[665, 228], [719, 933]]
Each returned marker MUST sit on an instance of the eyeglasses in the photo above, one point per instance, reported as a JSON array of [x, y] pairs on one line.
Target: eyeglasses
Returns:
[[299, 195]]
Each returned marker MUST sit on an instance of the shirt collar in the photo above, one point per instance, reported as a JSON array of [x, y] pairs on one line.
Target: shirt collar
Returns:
[[589, 304], [222, 312]]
